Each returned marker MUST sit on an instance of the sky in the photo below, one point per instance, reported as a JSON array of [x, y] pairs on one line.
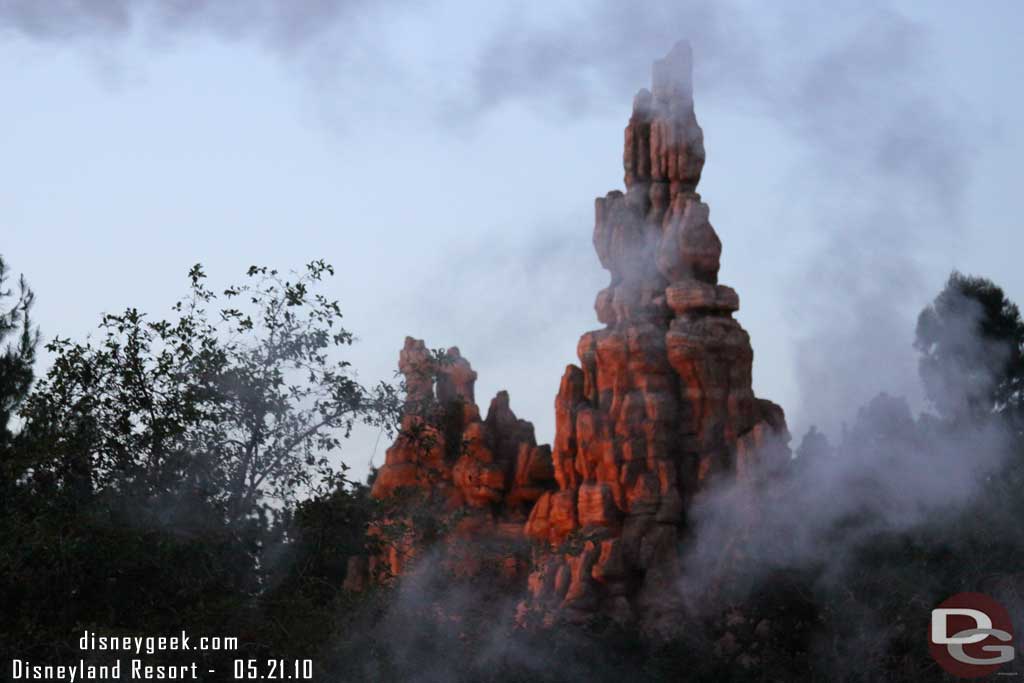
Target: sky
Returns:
[[445, 156]]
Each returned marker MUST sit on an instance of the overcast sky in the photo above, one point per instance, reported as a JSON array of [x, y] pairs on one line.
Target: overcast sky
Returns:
[[445, 157]]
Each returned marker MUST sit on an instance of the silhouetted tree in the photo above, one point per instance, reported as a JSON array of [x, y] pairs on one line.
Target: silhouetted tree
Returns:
[[241, 406], [19, 340], [971, 340], [162, 465]]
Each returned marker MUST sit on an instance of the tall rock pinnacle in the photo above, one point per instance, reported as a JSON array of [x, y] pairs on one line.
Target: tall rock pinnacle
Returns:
[[658, 231], [662, 398], [660, 404]]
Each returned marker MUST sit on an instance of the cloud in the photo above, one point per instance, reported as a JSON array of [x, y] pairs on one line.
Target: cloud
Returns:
[[284, 24], [595, 54]]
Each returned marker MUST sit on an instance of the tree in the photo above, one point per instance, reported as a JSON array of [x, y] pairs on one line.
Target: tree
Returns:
[[813, 447], [18, 355], [971, 340], [161, 467], [242, 407]]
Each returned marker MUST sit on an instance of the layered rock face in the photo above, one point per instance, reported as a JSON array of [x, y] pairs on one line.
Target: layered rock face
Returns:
[[662, 399], [492, 464], [482, 476], [660, 404]]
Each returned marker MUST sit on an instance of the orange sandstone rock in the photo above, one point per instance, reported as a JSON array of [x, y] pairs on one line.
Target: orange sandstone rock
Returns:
[[661, 401], [660, 404], [480, 476]]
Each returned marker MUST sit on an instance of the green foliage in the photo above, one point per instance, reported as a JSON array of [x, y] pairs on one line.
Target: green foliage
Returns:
[[971, 340], [242, 407], [18, 341], [181, 473], [302, 604]]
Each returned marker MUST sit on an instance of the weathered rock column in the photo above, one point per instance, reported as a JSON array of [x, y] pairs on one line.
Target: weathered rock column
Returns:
[[479, 476], [662, 398], [660, 405]]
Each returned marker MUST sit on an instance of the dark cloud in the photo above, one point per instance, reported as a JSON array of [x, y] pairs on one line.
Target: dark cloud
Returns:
[[279, 23], [593, 57]]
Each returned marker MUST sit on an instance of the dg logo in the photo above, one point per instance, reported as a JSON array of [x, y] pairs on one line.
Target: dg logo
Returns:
[[971, 635]]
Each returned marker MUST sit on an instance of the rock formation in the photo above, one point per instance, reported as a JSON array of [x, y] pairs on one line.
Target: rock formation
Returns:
[[660, 404], [492, 464], [662, 400], [480, 477]]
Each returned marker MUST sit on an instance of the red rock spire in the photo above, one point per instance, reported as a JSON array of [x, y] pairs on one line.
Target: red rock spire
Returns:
[[660, 402], [662, 397]]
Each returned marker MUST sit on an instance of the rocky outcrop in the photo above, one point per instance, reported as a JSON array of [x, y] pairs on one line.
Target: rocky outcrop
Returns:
[[661, 401], [660, 404], [491, 464], [478, 477]]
